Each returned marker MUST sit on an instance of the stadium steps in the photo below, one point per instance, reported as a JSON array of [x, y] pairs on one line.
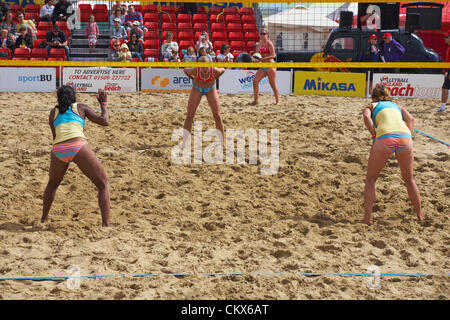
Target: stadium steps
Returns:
[[79, 47]]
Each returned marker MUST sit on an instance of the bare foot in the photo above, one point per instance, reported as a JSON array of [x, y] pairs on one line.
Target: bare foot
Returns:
[[44, 219], [366, 221], [420, 217], [254, 103]]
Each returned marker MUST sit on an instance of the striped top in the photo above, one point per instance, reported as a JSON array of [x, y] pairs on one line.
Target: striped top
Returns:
[[68, 125], [387, 118]]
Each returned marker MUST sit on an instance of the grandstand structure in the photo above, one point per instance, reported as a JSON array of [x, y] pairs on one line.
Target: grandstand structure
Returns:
[[233, 25]]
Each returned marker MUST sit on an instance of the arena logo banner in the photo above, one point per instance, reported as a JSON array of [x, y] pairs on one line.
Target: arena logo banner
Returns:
[[424, 86], [330, 83], [93, 78], [165, 80], [241, 82], [27, 79]]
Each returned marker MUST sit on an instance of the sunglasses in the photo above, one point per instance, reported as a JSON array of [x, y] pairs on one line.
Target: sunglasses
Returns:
[[117, 45], [263, 33]]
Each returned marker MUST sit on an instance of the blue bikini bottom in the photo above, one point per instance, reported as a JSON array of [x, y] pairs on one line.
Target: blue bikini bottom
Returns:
[[203, 91]]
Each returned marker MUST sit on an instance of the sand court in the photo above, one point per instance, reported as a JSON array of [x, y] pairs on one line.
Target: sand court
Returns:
[[230, 232]]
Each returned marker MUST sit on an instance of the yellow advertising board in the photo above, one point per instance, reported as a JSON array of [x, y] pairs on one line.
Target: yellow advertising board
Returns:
[[330, 83]]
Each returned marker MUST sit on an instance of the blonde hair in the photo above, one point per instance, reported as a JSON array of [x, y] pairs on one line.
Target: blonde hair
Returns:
[[380, 92], [204, 59]]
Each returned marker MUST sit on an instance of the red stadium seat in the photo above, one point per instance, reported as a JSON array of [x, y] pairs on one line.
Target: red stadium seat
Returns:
[[14, 8], [250, 45], [214, 18], [62, 25], [248, 19], [4, 58], [6, 50], [200, 27], [199, 18], [236, 53], [237, 45], [85, 12], [100, 12], [19, 58], [168, 9], [218, 27], [246, 10], [185, 35], [184, 26], [215, 10], [219, 35], [154, 26], [135, 60], [150, 8], [251, 35], [100, 7], [41, 34], [234, 27], [232, 18], [32, 16], [38, 42], [85, 7], [202, 9], [22, 53], [45, 25], [166, 26], [138, 8], [151, 34], [37, 59], [231, 10], [184, 17], [235, 36], [218, 44], [152, 43], [249, 27], [57, 53], [39, 53], [184, 44], [166, 17], [151, 17], [151, 52], [55, 59]]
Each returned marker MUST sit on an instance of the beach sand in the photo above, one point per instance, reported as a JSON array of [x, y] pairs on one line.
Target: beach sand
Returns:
[[203, 219]]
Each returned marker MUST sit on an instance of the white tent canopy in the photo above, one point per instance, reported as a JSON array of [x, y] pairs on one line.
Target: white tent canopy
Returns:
[[306, 28]]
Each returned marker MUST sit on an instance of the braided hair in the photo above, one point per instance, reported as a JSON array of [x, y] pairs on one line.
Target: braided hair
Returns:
[[66, 96]]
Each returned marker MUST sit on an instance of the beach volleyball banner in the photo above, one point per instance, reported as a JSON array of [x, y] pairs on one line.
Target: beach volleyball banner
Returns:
[[330, 83], [27, 79], [424, 86], [90, 79], [241, 81], [165, 80]]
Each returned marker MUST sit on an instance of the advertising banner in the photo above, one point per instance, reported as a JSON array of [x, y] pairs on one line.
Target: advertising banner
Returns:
[[425, 86], [241, 82], [27, 79], [165, 80], [90, 79], [330, 83]]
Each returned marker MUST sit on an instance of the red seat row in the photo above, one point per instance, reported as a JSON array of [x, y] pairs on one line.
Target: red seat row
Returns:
[[36, 53]]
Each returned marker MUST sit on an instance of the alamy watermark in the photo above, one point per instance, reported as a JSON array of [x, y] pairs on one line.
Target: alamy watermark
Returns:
[[258, 146], [74, 281], [374, 281]]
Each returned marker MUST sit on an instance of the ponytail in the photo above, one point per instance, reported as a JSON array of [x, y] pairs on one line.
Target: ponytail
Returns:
[[66, 96]]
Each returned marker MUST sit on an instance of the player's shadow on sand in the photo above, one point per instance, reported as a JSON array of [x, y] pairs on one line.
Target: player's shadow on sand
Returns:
[[17, 227]]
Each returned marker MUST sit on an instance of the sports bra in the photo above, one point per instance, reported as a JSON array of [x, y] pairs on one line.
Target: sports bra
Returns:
[[387, 118], [68, 125], [211, 75], [264, 50]]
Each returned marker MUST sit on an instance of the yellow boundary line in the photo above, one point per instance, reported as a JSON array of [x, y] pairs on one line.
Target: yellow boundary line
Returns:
[[282, 65]]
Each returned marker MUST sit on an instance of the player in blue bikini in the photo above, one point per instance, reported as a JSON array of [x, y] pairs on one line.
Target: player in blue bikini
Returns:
[[204, 84]]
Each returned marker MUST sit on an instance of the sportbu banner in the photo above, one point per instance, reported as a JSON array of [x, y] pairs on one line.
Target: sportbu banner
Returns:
[[426, 86], [90, 79], [241, 82], [165, 80], [27, 79]]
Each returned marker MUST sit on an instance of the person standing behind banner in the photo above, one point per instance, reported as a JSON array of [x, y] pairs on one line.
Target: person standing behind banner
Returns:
[[392, 50], [372, 54], [446, 85]]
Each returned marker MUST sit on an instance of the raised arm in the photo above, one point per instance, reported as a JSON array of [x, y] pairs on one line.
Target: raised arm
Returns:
[[368, 121], [189, 72], [218, 72], [102, 119]]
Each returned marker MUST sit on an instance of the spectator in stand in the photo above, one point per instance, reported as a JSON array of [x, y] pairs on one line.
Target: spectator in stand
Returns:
[[92, 32], [57, 39], [9, 24], [225, 54], [28, 23], [392, 50], [190, 55], [174, 57], [4, 8], [3, 37], [446, 85], [211, 54], [46, 12], [135, 46], [190, 7], [202, 53], [117, 14], [203, 41], [117, 31], [132, 16], [138, 31], [166, 48], [62, 11], [10, 42], [124, 53], [115, 51], [24, 40], [121, 7]]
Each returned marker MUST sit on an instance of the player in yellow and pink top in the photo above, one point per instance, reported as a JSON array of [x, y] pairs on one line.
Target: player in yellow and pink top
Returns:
[[391, 127]]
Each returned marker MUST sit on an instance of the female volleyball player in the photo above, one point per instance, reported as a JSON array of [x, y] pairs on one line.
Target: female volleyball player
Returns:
[[69, 144], [390, 126], [204, 84], [267, 51]]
